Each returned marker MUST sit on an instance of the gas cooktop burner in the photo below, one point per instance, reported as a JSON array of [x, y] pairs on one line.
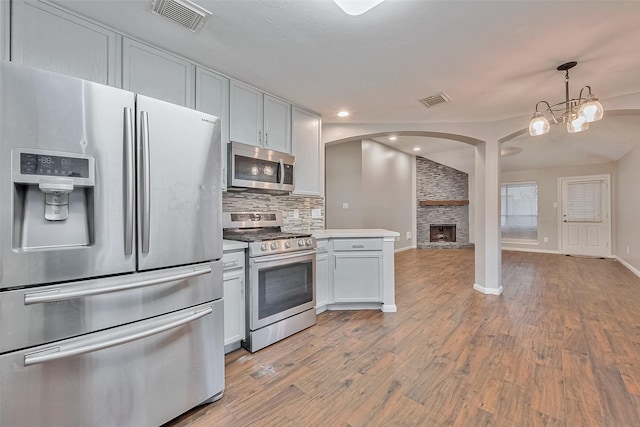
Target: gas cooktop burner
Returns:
[[262, 237], [256, 228]]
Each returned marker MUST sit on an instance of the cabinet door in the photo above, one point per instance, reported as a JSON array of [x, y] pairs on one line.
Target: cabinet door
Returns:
[[245, 115], [233, 306], [357, 277], [157, 74], [212, 97], [48, 38], [277, 124], [322, 280], [308, 150]]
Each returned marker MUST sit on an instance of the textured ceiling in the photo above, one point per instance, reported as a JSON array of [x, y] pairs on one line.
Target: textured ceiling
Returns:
[[495, 59]]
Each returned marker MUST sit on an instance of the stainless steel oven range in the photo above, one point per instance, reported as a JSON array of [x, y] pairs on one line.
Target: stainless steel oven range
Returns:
[[281, 291]]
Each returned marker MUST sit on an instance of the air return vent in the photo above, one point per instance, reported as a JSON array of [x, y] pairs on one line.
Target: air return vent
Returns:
[[183, 12], [433, 100]]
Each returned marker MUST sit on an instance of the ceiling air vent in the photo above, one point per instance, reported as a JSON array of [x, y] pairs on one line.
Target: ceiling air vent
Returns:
[[434, 100], [183, 12]]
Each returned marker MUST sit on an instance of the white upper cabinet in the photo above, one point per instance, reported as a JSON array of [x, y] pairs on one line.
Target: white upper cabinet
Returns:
[[277, 124], [212, 97], [245, 116], [308, 151], [48, 38], [152, 72], [259, 119]]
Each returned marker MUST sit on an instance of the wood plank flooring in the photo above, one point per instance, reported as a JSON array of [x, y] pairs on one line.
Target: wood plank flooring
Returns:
[[560, 347]]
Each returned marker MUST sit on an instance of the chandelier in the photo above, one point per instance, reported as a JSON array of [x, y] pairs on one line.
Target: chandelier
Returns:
[[577, 113]]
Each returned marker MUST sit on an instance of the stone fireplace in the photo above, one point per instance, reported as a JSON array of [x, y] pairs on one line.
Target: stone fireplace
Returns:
[[442, 233], [443, 206]]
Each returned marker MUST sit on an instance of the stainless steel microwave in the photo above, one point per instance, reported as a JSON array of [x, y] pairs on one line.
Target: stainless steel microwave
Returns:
[[256, 168]]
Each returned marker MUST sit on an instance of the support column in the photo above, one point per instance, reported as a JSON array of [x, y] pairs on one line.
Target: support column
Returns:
[[488, 255]]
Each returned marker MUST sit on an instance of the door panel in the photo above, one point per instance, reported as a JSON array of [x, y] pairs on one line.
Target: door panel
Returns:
[[179, 191], [586, 223], [140, 374], [63, 116]]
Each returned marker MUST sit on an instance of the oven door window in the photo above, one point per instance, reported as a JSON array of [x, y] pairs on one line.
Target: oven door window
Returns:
[[284, 287]]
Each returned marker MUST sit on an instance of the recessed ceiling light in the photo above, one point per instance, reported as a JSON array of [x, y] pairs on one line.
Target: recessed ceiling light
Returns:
[[393, 138], [343, 114], [416, 149]]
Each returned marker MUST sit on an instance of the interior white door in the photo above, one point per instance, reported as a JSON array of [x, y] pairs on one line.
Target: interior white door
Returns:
[[586, 216]]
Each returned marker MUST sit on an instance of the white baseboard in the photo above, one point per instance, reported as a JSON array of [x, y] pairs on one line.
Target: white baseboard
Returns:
[[540, 251], [487, 291], [629, 266], [405, 249]]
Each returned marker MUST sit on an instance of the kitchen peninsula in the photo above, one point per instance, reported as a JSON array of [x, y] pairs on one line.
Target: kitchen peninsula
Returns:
[[355, 269]]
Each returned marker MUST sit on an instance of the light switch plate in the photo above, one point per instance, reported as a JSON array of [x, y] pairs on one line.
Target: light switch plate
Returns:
[[296, 213], [316, 213], [345, 205]]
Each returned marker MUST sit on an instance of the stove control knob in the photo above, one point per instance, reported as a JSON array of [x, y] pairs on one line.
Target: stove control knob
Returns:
[[263, 247], [301, 242], [287, 245], [274, 246], [309, 242]]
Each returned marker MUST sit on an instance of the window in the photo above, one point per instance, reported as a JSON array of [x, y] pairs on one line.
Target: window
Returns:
[[519, 211]]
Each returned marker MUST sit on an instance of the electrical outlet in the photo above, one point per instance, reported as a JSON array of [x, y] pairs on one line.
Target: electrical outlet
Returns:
[[345, 205], [627, 250], [546, 240], [408, 235], [296, 213], [555, 204], [316, 213]]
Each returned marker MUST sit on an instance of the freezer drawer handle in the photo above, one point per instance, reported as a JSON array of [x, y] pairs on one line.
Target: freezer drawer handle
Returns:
[[58, 294], [59, 352]]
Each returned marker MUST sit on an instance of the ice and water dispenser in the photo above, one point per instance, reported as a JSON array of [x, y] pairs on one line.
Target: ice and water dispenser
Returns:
[[53, 199]]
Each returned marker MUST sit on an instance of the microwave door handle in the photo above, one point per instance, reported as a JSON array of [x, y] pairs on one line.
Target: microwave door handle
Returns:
[[281, 181], [146, 181], [129, 183]]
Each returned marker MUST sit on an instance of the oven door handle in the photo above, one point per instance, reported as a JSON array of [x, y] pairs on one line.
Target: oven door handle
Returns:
[[269, 258]]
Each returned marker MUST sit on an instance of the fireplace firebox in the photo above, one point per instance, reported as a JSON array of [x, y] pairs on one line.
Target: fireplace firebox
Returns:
[[442, 233]]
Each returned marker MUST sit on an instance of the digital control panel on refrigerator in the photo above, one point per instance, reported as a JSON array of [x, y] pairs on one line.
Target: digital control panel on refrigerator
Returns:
[[41, 164]]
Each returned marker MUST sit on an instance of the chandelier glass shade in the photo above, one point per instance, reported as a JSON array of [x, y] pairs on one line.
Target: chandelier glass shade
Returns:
[[577, 112]]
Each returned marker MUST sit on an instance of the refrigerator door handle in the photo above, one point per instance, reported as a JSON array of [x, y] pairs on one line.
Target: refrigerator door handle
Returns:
[[146, 181], [61, 351], [59, 294], [129, 203]]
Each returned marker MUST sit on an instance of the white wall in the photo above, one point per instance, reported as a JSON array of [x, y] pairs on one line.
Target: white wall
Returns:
[[627, 213], [388, 190], [343, 184], [377, 182], [548, 219]]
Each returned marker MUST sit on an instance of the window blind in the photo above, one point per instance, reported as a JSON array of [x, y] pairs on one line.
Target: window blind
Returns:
[[584, 201], [519, 211]]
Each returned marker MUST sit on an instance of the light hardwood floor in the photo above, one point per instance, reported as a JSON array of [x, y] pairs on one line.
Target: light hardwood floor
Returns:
[[560, 347]]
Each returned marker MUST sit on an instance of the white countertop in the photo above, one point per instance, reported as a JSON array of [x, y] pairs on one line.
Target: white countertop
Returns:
[[331, 233], [232, 245]]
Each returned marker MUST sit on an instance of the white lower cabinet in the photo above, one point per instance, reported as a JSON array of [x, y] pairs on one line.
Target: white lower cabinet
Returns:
[[234, 300], [357, 276], [322, 276]]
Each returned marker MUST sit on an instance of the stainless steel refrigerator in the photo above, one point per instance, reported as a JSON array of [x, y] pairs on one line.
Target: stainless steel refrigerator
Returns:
[[110, 254]]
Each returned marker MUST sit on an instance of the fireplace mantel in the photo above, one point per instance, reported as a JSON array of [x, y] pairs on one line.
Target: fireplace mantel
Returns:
[[444, 202]]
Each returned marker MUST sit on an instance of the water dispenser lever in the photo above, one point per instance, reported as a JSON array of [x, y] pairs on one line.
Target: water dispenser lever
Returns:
[[56, 201]]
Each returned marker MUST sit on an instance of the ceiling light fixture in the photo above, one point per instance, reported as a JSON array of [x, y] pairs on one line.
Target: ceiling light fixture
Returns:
[[393, 138], [343, 114], [578, 112], [357, 7], [416, 149]]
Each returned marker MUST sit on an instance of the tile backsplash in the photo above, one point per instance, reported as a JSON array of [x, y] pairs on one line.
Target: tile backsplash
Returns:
[[261, 202]]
